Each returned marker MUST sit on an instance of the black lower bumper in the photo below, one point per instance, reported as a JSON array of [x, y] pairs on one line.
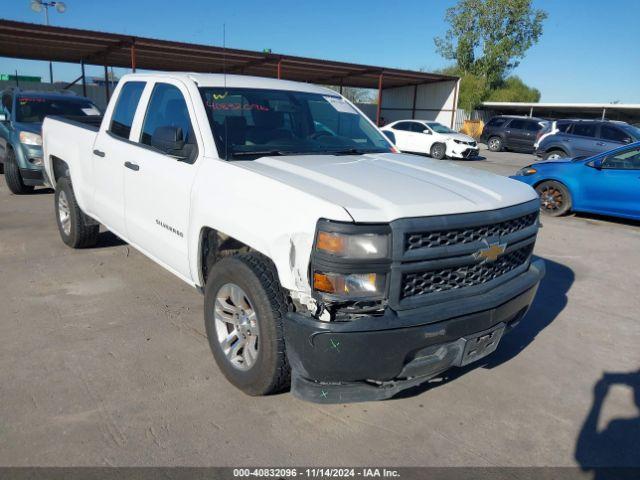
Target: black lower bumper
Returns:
[[32, 177], [354, 361]]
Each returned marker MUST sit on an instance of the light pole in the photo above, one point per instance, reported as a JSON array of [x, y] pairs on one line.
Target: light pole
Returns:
[[37, 6]]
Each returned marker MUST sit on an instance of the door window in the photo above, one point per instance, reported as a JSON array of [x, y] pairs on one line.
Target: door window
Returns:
[[584, 129], [613, 134], [497, 122], [626, 160], [126, 109], [405, 126], [168, 108], [518, 124], [418, 127], [533, 126]]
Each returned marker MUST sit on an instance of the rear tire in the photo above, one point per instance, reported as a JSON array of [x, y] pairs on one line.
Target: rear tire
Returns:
[[12, 175], [554, 154], [438, 151], [254, 280], [555, 199], [76, 229], [495, 144]]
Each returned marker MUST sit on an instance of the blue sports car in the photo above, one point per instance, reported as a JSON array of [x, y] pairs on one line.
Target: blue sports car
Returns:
[[607, 183]]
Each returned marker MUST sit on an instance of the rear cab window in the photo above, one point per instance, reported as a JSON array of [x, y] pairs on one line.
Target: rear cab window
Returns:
[[125, 109]]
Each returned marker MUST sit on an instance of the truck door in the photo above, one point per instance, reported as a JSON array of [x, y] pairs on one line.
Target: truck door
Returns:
[[159, 177], [110, 150]]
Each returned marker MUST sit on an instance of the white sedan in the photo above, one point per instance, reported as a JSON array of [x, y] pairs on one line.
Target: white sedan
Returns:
[[431, 138]]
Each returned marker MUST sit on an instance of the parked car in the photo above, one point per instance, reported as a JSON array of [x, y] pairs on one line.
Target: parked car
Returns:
[[585, 138], [607, 183], [431, 138], [325, 257], [512, 133], [21, 117]]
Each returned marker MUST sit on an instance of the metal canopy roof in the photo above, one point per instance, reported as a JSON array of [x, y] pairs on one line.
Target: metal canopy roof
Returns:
[[40, 42]]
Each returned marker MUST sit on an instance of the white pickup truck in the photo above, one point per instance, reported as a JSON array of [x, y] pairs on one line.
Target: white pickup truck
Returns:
[[328, 261]]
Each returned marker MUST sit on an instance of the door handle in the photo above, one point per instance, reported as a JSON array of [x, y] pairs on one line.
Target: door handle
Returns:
[[132, 166], [566, 139], [600, 143], [99, 153]]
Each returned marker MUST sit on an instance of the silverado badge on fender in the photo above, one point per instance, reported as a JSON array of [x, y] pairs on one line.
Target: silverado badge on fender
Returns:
[[491, 253]]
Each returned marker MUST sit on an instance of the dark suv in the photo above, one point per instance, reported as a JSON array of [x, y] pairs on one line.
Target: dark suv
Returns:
[[513, 133], [576, 138]]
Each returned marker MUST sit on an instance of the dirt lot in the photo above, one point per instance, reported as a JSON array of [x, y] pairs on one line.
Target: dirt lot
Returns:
[[104, 361]]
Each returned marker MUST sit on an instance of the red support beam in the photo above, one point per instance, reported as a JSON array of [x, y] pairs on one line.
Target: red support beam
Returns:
[[133, 57], [279, 69], [379, 100]]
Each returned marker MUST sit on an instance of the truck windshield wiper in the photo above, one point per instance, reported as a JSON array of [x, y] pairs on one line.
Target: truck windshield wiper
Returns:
[[263, 153], [353, 151]]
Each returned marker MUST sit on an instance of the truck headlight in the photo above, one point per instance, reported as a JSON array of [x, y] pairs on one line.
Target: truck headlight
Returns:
[[353, 246], [354, 285], [30, 138]]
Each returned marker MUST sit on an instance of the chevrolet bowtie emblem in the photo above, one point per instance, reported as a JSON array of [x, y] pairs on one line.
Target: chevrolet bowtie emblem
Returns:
[[491, 253]]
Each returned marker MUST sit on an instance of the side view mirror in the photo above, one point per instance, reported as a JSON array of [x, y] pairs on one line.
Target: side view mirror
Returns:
[[426, 131], [3, 117], [169, 140], [597, 164], [627, 140]]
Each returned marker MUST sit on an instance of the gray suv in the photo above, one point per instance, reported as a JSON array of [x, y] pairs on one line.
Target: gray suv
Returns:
[[584, 138]]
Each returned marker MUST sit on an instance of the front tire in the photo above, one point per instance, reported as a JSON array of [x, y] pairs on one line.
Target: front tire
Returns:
[[76, 229], [555, 199], [12, 175], [244, 310], [438, 151], [554, 155], [495, 144]]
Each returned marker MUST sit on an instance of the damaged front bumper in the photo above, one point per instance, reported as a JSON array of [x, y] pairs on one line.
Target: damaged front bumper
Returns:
[[375, 357]]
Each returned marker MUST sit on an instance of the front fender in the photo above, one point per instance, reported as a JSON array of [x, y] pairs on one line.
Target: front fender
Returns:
[[269, 216]]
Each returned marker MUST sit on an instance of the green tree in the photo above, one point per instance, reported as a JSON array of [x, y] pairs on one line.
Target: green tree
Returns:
[[488, 38], [513, 89]]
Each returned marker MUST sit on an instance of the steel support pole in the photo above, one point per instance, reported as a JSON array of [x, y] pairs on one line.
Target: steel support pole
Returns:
[[379, 109], [604, 113], [84, 79], [279, 69], [415, 97], [106, 83], [454, 110]]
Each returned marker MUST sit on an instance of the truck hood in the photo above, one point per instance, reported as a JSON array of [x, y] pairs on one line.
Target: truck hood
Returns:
[[388, 186]]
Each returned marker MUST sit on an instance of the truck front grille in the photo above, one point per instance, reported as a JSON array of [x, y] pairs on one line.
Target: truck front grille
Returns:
[[443, 279], [417, 240]]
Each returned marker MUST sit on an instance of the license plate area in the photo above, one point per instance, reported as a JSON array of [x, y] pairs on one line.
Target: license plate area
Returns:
[[481, 344]]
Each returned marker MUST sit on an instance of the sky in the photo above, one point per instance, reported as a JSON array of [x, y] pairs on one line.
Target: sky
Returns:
[[588, 51]]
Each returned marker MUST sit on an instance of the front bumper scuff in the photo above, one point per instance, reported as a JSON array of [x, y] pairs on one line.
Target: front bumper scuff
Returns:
[[374, 358]]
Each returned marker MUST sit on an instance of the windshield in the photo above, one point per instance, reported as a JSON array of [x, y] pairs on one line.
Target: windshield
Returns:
[[439, 128], [34, 109], [249, 123]]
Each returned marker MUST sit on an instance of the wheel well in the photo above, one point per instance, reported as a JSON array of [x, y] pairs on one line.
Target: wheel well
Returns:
[[215, 245], [551, 180], [60, 168], [556, 149]]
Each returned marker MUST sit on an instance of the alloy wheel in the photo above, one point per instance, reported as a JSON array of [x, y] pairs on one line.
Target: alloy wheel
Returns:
[[64, 213], [551, 199], [236, 325]]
